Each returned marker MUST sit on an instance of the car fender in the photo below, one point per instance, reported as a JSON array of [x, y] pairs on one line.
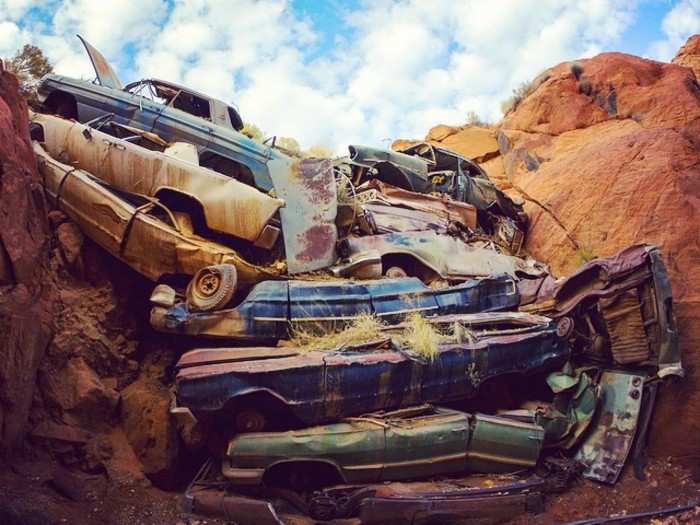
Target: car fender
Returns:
[[288, 461]]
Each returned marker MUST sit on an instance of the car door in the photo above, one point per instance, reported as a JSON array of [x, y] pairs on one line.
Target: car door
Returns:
[[175, 124], [426, 445], [146, 107]]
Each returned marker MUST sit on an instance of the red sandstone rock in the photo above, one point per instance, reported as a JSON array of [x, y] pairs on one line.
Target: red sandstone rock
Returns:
[[607, 158], [26, 305], [614, 167], [689, 55], [80, 395]]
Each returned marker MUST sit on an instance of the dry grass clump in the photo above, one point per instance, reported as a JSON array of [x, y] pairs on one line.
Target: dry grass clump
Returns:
[[422, 337], [416, 334], [524, 90], [362, 329]]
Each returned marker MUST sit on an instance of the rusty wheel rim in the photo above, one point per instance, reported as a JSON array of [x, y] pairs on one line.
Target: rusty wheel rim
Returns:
[[208, 283], [565, 327]]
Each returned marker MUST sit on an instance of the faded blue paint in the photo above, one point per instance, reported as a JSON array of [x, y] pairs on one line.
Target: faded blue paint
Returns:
[[272, 306], [319, 387]]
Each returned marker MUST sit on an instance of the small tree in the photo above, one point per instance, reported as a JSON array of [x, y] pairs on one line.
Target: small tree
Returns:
[[473, 119], [252, 131], [30, 64]]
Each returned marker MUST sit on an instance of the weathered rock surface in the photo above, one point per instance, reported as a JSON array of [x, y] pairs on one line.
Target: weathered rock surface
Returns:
[[150, 428], [26, 300], [607, 157], [689, 55], [79, 394]]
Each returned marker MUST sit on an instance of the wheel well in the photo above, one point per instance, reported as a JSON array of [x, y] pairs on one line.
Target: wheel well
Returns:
[[413, 266], [302, 475], [176, 201], [278, 414], [63, 104]]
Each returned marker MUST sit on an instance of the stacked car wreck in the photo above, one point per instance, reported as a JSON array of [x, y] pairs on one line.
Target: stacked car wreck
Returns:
[[416, 253]]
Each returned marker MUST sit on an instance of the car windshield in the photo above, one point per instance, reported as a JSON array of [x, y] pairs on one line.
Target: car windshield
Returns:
[[173, 96]]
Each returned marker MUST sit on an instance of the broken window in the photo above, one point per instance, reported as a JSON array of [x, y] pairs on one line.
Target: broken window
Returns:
[[226, 166]]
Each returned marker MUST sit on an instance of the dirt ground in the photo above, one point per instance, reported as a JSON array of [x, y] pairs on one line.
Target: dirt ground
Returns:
[[28, 496], [668, 484]]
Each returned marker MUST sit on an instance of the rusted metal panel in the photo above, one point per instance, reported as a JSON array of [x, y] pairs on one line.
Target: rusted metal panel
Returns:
[[388, 219], [320, 386], [599, 283], [663, 333], [238, 509], [623, 319], [455, 506], [498, 444], [212, 356], [447, 256], [308, 216], [229, 206], [605, 450], [438, 205], [467, 510]]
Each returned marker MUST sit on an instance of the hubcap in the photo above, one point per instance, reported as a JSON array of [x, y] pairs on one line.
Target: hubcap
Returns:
[[208, 284]]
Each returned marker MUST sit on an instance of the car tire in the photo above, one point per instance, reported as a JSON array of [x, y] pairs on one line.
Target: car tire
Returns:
[[212, 287]]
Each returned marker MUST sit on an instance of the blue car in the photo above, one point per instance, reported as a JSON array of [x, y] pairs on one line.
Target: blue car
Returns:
[[254, 389], [272, 306]]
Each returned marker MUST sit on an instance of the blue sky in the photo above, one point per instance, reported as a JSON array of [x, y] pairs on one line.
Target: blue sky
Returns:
[[358, 71]]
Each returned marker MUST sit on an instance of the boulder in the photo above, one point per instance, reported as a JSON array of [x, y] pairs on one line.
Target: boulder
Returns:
[[151, 430], [440, 132], [607, 157], [475, 142], [81, 398], [27, 300]]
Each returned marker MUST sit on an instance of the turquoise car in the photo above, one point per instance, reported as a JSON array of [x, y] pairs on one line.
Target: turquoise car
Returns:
[[415, 442]]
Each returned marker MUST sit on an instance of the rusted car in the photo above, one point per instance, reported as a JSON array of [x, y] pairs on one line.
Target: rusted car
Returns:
[[410, 443], [306, 188], [142, 232], [216, 203], [466, 181], [273, 307], [81, 100], [320, 386], [134, 169], [433, 257], [623, 307], [425, 168], [468, 499]]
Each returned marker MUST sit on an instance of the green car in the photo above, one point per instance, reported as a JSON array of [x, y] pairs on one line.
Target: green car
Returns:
[[410, 443]]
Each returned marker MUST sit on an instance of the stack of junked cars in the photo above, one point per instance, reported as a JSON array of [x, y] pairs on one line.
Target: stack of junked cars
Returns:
[[381, 322]]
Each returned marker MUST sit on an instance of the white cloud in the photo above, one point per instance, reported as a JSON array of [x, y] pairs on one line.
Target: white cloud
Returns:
[[398, 67], [682, 21], [9, 38]]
